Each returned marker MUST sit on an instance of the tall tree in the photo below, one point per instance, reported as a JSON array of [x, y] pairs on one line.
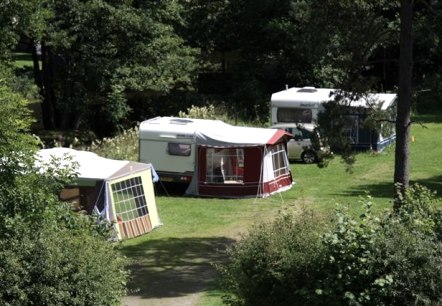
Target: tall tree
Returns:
[[96, 53], [403, 119]]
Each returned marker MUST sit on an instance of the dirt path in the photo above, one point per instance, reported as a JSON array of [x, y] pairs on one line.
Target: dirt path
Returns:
[[161, 276]]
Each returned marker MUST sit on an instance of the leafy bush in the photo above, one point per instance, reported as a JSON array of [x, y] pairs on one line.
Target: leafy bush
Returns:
[[276, 263], [394, 259], [204, 112], [124, 146], [50, 255]]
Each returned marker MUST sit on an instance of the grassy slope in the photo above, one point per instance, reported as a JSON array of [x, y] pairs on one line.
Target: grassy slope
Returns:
[[178, 255]]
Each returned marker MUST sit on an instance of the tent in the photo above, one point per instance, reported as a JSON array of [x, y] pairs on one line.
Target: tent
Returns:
[[120, 191], [218, 159]]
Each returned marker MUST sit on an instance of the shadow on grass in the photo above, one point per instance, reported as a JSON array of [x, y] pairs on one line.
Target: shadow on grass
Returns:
[[174, 267], [386, 189], [435, 117], [22, 56]]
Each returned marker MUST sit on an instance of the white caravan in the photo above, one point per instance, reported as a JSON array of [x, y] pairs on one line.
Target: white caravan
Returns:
[[302, 105], [216, 159]]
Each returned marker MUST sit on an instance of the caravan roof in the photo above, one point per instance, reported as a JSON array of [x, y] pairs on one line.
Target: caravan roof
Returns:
[[311, 97], [210, 132], [303, 94]]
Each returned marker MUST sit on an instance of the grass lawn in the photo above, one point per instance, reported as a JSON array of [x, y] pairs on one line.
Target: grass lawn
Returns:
[[22, 60], [174, 261]]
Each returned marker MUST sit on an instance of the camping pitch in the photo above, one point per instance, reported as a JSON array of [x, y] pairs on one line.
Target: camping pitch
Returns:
[[217, 159], [120, 191]]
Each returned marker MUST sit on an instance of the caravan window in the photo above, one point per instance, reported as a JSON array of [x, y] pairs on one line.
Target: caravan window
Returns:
[[301, 115], [129, 199], [225, 165], [180, 149], [280, 162]]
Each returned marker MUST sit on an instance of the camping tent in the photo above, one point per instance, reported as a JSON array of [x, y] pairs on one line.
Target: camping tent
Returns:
[[219, 159], [120, 191]]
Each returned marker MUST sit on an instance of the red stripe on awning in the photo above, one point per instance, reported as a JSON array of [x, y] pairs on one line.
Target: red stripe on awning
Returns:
[[278, 135]]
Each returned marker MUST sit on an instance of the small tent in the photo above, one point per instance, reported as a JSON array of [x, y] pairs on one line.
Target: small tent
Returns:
[[218, 159], [120, 191]]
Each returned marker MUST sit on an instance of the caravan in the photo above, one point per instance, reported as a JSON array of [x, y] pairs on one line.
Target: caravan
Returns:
[[302, 106], [216, 159]]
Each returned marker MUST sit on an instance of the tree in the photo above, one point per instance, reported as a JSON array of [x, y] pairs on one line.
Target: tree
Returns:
[[95, 55], [403, 119]]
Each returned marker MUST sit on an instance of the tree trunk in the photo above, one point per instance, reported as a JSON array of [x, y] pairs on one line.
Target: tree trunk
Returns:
[[403, 121], [46, 106], [48, 98]]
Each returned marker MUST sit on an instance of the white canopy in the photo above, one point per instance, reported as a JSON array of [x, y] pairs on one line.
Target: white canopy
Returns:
[[207, 132], [90, 164], [91, 167]]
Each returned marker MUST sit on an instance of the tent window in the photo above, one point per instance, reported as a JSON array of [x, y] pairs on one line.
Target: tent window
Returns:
[[280, 162], [225, 165], [301, 115], [129, 199], [180, 149]]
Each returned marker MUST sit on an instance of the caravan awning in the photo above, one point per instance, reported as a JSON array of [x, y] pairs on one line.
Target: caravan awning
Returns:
[[236, 135]]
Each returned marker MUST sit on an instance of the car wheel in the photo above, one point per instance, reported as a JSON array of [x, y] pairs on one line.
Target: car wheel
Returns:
[[308, 157]]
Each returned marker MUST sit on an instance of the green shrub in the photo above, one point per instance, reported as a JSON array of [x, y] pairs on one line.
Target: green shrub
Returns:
[[204, 112], [276, 263], [393, 259], [124, 146], [56, 257]]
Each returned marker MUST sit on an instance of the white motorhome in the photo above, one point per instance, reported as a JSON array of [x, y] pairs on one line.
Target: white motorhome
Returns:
[[302, 106], [216, 158], [298, 105]]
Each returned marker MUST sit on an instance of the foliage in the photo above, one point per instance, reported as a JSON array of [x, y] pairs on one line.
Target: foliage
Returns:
[[123, 146], [16, 144], [394, 259], [49, 255], [88, 73], [337, 121], [275, 263], [59, 260], [204, 112]]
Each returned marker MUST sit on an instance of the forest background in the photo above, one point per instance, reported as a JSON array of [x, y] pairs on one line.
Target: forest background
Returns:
[[101, 66]]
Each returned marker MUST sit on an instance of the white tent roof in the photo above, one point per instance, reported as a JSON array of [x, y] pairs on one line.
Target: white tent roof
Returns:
[[91, 166], [207, 132]]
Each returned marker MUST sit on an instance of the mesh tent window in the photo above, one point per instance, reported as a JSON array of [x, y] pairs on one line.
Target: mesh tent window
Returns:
[[129, 199], [279, 158]]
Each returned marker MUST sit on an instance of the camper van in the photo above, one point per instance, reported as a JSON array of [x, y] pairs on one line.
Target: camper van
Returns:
[[215, 158], [302, 106]]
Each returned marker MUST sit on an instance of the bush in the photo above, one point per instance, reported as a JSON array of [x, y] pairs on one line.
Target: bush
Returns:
[[276, 263], [57, 258], [124, 146], [395, 259]]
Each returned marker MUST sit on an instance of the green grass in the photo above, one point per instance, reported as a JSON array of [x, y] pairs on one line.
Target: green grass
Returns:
[[22, 60], [175, 259]]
